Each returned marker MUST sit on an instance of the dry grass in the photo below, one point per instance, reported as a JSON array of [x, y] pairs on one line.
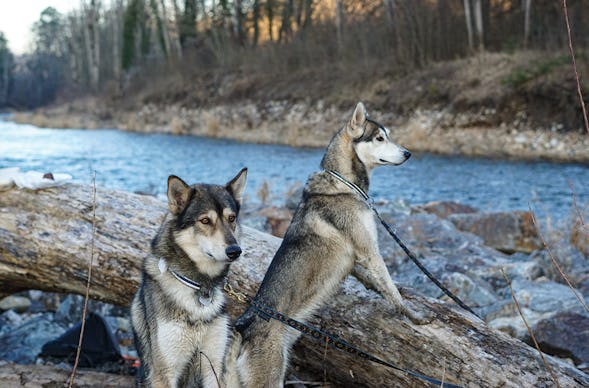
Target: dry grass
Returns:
[[556, 265], [530, 332], [89, 280]]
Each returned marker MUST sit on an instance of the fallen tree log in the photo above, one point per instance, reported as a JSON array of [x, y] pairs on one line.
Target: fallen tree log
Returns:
[[31, 376], [45, 244]]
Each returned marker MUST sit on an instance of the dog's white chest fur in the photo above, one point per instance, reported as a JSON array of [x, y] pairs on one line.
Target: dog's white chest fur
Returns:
[[369, 224], [178, 341]]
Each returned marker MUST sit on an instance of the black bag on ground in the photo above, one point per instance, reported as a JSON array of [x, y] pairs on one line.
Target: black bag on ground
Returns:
[[98, 346]]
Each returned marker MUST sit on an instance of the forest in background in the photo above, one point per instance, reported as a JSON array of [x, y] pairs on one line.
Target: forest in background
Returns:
[[121, 49]]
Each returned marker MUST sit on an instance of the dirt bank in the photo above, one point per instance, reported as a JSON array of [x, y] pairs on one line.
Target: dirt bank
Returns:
[[520, 106]]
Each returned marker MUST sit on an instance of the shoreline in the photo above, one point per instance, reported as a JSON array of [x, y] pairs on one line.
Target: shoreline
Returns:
[[313, 125]]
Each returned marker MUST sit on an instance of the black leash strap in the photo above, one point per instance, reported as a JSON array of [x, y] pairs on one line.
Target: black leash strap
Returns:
[[400, 243], [266, 313]]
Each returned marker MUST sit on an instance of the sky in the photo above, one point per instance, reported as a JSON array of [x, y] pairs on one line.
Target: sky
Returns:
[[17, 18]]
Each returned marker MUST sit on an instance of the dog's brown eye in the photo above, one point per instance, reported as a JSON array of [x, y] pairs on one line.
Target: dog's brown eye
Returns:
[[380, 138], [205, 220], [231, 218]]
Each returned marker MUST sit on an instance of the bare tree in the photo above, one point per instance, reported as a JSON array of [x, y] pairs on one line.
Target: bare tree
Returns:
[[116, 46], [6, 64], [188, 23], [177, 20], [270, 14], [478, 21], [256, 22], [92, 40], [468, 19], [238, 31], [339, 22], [75, 47], [308, 13], [527, 6], [285, 31], [392, 21]]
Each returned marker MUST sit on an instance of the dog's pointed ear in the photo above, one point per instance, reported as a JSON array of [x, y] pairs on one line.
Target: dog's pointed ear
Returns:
[[358, 120], [178, 194], [236, 185]]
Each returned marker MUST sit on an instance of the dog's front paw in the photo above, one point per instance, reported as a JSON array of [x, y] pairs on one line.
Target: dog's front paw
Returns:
[[419, 317]]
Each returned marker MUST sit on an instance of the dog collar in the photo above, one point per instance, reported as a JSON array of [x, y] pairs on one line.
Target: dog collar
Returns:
[[351, 185], [205, 299]]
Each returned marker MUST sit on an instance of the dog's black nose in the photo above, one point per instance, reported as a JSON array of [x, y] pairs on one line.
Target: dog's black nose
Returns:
[[233, 252], [406, 154]]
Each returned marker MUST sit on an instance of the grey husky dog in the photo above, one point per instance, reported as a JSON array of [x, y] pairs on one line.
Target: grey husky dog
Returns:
[[179, 320], [332, 234]]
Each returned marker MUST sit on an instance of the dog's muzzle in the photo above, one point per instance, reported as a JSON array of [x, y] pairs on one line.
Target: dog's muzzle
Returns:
[[233, 252]]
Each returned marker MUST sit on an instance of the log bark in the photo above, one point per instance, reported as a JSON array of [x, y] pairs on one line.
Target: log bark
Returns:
[[31, 376], [45, 241]]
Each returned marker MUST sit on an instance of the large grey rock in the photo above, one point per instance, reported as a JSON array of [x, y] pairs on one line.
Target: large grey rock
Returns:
[[545, 296], [506, 231], [539, 300], [565, 335], [14, 302], [474, 292], [444, 209], [570, 260], [24, 343]]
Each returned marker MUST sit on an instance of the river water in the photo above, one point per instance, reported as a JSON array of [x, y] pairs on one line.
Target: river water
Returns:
[[142, 162]]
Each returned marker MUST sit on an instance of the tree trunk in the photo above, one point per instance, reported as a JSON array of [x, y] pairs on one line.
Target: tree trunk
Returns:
[[468, 20], [339, 23], [92, 41], [308, 13], [75, 48], [285, 32], [527, 7], [165, 29], [478, 21], [188, 23], [116, 45], [256, 22], [14, 375], [238, 22], [392, 21], [270, 15], [177, 27], [45, 243]]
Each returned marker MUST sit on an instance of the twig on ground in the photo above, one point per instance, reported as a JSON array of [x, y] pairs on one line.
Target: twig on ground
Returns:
[[85, 310], [521, 314], [572, 51], [556, 265]]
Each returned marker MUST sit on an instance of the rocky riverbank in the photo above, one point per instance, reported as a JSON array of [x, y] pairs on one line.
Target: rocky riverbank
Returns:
[[312, 125]]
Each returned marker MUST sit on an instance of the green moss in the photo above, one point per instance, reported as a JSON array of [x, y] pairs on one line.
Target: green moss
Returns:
[[521, 76]]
